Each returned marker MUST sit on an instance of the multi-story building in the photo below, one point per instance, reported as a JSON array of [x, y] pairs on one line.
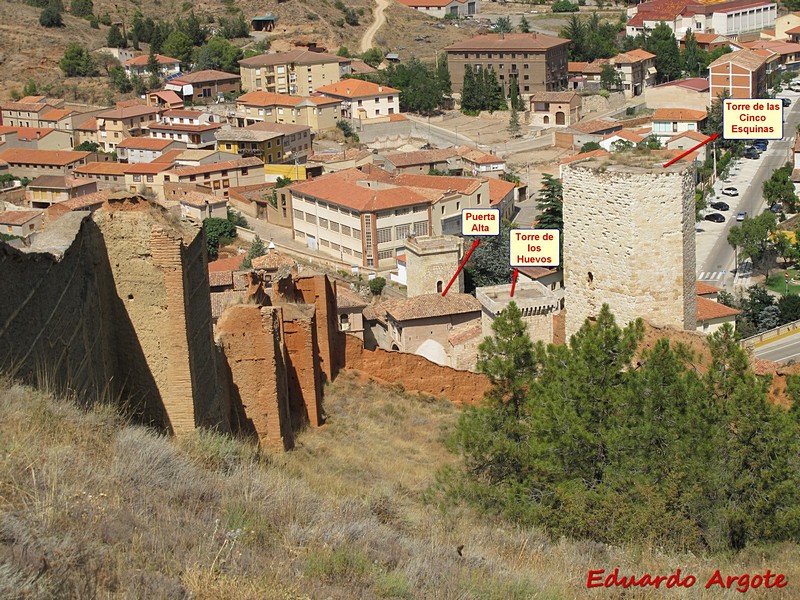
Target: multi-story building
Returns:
[[265, 145], [220, 176], [668, 122], [28, 111], [107, 175], [363, 100], [145, 149], [191, 127], [33, 163], [743, 74], [52, 189], [297, 139], [538, 62], [35, 138], [637, 69], [115, 125], [205, 86], [138, 65], [298, 72], [147, 178], [443, 8], [727, 17], [317, 112]]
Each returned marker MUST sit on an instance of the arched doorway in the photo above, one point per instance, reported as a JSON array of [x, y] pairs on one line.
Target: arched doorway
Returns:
[[546, 120], [561, 118], [438, 287]]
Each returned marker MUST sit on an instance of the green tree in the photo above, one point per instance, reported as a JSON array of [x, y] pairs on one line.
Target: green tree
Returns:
[[88, 146], [77, 61], [193, 29], [373, 57], [691, 54], [30, 89], [218, 54], [50, 18], [503, 25], [154, 69], [81, 8], [234, 28], [178, 45], [780, 188], [219, 232], [790, 308], [257, 248], [661, 42], [119, 79], [470, 100], [514, 126], [376, 285], [524, 26], [115, 39], [488, 264], [610, 78], [443, 76], [515, 98], [651, 142], [575, 32], [561, 6], [589, 146], [344, 52]]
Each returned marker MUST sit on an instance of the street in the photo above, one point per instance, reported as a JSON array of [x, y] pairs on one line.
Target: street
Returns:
[[782, 350], [715, 259]]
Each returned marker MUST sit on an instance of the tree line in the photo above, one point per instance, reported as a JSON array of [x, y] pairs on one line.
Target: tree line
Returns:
[[604, 441]]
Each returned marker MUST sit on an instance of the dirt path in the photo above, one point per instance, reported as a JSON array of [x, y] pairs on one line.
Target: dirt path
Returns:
[[380, 19]]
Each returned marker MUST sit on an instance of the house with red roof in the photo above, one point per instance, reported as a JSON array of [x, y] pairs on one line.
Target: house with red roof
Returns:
[[625, 137], [363, 100], [194, 128], [318, 112], [681, 93], [667, 122], [138, 65], [205, 86], [146, 149], [726, 17], [686, 140]]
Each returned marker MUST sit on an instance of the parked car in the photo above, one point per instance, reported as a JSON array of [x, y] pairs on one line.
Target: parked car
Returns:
[[751, 153], [720, 206], [715, 217], [760, 147], [786, 102], [730, 191], [776, 208], [741, 216], [795, 86]]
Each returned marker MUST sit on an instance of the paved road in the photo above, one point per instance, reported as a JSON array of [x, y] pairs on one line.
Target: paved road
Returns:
[[721, 258], [782, 350]]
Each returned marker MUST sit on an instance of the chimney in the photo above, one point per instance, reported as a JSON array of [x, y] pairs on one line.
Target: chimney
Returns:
[[380, 88]]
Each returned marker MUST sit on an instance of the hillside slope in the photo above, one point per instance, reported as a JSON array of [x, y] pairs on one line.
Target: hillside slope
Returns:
[[93, 507]]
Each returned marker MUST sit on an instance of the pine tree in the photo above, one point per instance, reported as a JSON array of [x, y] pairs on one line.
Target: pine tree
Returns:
[[495, 96], [514, 126], [524, 26], [691, 53], [257, 248], [115, 39], [514, 96], [469, 91], [663, 44], [550, 204], [443, 77]]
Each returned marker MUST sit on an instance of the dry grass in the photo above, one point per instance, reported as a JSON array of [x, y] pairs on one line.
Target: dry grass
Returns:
[[93, 507]]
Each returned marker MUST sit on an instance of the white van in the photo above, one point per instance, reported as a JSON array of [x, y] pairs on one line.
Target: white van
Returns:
[[795, 86]]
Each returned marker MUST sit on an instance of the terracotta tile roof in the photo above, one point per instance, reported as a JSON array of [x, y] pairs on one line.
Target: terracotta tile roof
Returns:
[[207, 75], [273, 260], [26, 106], [708, 309], [336, 190], [101, 168], [741, 7], [704, 289], [59, 158], [150, 168], [271, 99], [478, 156], [420, 157], [143, 143], [188, 127], [742, 58], [697, 84], [32, 99], [633, 56], [401, 258], [33, 133], [141, 61], [393, 118], [299, 56], [356, 88], [431, 305], [58, 182], [465, 185], [220, 278], [86, 202], [793, 30], [553, 97], [576, 67], [183, 113], [693, 135], [169, 157], [498, 189], [536, 272], [595, 126], [708, 38], [222, 300], [347, 298], [625, 135], [199, 199], [591, 154], [240, 134], [167, 96], [464, 333], [88, 125], [359, 67], [18, 217], [220, 166], [679, 114], [129, 112], [232, 263], [350, 154], [56, 114], [374, 312], [508, 41]]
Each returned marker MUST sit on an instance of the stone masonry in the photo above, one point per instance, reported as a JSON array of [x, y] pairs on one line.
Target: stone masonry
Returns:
[[629, 241], [430, 263]]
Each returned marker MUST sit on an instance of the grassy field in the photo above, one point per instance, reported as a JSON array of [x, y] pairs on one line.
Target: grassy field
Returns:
[[777, 281], [93, 507]]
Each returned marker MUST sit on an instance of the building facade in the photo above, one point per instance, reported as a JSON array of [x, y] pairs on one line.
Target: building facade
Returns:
[[317, 112], [298, 72], [431, 261], [742, 74]]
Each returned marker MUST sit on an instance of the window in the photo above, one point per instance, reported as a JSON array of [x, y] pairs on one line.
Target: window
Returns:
[[325, 243], [244, 172], [346, 230], [401, 232], [527, 88], [479, 198], [137, 178], [384, 235], [384, 254], [298, 214], [356, 233], [421, 228], [674, 126], [311, 219], [323, 223], [149, 179], [358, 254], [335, 246], [334, 226]]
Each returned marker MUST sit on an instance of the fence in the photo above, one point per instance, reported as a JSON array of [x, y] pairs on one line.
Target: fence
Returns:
[[764, 337]]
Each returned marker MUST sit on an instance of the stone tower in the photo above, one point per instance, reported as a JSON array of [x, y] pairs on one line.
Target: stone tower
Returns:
[[430, 263], [629, 240]]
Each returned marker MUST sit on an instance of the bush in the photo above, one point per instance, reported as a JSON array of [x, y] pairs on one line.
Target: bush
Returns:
[[235, 217], [50, 18], [219, 232], [564, 6], [81, 8], [376, 285]]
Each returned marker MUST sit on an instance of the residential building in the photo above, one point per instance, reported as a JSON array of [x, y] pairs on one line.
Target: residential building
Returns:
[[784, 27], [669, 121], [318, 112], [147, 178], [33, 163], [706, 41], [115, 125], [783, 56], [86, 131], [35, 138], [297, 139], [107, 175], [711, 315], [443, 8], [165, 100], [682, 93], [585, 76], [538, 62], [333, 161], [363, 100], [743, 74], [727, 17], [423, 162], [686, 140], [609, 142], [480, 164], [298, 72], [28, 111], [205, 86], [145, 150], [349, 307], [90, 202], [21, 223], [51, 189], [198, 206], [637, 70], [265, 145], [503, 195], [138, 65], [193, 128], [220, 176], [555, 108]]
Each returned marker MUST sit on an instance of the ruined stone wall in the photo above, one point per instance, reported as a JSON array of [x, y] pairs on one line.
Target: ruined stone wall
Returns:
[[415, 374], [303, 366], [629, 235], [318, 290], [251, 338]]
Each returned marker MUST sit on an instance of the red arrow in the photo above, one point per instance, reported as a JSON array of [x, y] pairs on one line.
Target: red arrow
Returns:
[[461, 266], [690, 150], [514, 281]]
